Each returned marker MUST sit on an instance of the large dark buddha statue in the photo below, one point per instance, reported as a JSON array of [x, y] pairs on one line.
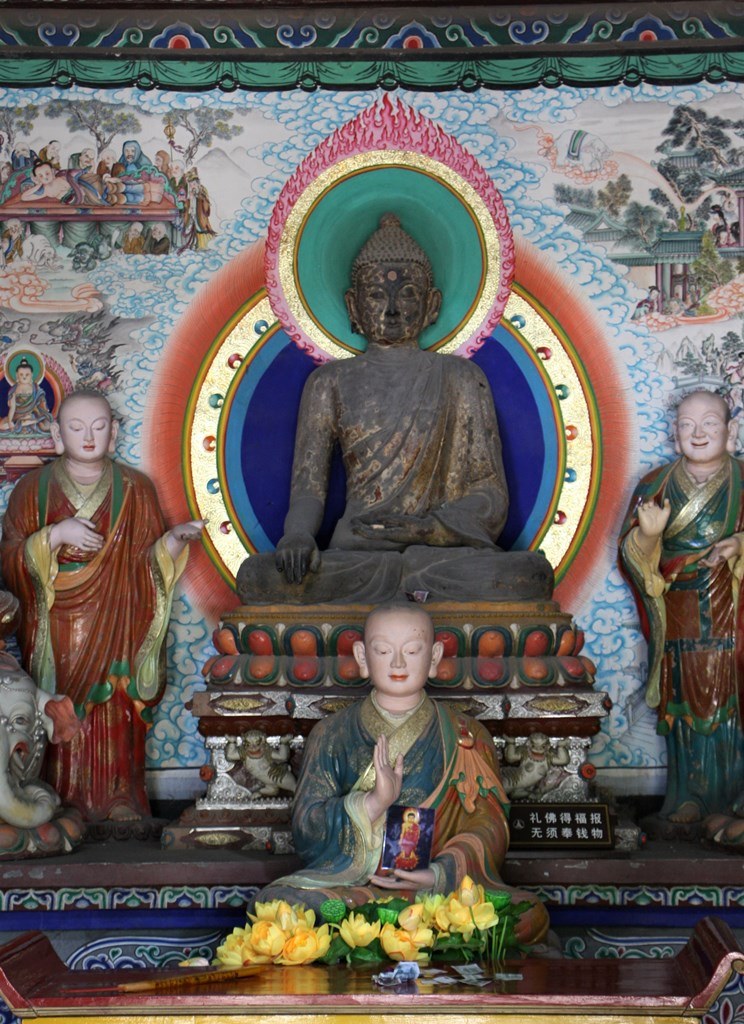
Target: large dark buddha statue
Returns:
[[426, 493]]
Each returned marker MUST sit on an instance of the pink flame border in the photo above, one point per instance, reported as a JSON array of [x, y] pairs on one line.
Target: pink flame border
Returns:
[[389, 124]]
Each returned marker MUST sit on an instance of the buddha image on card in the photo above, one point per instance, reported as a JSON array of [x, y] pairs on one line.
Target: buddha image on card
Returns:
[[408, 838]]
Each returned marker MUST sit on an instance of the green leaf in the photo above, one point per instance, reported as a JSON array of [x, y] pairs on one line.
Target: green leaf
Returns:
[[337, 950], [371, 954], [498, 899]]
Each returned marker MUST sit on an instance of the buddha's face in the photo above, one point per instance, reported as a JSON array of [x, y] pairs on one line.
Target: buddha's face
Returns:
[[86, 431], [702, 434], [391, 303], [398, 653], [24, 376]]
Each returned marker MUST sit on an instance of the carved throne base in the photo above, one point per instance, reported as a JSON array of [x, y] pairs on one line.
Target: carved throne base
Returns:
[[515, 666]]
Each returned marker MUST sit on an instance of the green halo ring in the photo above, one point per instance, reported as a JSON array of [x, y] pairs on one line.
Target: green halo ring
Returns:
[[12, 361], [349, 211]]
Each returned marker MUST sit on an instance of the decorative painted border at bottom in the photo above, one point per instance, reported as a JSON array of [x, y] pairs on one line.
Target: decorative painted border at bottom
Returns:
[[182, 897], [692, 897]]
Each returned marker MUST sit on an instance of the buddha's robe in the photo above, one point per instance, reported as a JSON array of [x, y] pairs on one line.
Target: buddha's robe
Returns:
[[448, 764], [418, 436], [691, 617], [93, 624]]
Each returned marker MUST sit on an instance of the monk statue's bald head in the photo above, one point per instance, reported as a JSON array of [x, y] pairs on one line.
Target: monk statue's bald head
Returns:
[[398, 654]]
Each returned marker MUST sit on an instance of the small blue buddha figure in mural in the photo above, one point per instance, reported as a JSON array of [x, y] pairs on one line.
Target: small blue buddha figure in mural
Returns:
[[426, 494], [682, 550], [28, 411]]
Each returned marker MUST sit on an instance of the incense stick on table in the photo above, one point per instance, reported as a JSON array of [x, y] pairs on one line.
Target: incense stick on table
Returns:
[[171, 984]]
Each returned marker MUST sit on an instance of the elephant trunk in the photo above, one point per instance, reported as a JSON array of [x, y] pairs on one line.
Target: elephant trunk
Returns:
[[23, 805]]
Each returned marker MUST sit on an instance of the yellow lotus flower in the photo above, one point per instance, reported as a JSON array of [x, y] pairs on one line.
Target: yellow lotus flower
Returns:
[[267, 911], [402, 945], [431, 904], [231, 952], [286, 917], [412, 917], [485, 916], [355, 930], [252, 956], [470, 893], [304, 917], [452, 916], [305, 946], [267, 938]]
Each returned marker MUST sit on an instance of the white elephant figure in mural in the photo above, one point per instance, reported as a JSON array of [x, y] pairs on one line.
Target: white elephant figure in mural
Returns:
[[575, 148], [28, 716]]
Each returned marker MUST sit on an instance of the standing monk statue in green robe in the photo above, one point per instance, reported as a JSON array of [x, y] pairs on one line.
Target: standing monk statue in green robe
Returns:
[[397, 746], [682, 551], [426, 496]]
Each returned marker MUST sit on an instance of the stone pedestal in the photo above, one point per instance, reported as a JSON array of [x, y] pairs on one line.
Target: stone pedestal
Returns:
[[515, 666]]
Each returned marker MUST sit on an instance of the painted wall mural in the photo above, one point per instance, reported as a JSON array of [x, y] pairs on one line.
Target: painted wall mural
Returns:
[[130, 232]]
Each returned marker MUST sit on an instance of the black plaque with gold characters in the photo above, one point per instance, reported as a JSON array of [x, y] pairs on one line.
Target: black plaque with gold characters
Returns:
[[550, 826]]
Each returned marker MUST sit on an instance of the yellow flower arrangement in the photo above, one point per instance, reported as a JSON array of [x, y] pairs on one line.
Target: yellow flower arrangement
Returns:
[[279, 933], [466, 923]]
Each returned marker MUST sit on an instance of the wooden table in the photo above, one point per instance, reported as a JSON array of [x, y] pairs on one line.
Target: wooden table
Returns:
[[36, 983]]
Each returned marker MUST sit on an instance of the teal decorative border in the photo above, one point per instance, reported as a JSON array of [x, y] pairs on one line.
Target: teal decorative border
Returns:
[[167, 897], [458, 71], [696, 897], [352, 47], [219, 897]]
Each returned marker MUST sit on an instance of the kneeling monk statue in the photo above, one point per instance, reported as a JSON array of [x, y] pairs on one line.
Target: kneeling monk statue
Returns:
[[425, 486], [398, 747]]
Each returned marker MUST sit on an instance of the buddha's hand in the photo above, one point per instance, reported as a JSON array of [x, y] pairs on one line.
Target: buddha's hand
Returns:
[[397, 879], [388, 780], [652, 518], [729, 547], [76, 533], [296, 555], [400, 529]]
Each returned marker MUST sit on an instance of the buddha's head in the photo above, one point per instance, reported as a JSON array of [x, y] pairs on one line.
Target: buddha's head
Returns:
[[392, 296]]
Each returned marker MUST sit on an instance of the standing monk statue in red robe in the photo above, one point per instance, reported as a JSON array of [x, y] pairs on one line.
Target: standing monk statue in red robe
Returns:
[[86, 551]]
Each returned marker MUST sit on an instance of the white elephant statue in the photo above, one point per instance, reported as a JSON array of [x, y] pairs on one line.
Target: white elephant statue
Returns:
[[28, 716]]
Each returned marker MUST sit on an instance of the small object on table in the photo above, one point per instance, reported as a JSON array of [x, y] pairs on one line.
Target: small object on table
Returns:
[[406, 970]]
